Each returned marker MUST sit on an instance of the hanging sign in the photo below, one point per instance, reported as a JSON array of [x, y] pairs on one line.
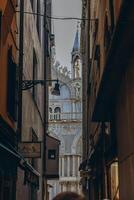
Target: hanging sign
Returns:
[[30, 149]]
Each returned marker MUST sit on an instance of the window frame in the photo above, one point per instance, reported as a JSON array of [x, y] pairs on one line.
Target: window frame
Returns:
[[11, 86]]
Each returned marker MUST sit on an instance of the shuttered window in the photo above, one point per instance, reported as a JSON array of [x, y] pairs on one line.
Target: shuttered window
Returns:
[[11, 87]]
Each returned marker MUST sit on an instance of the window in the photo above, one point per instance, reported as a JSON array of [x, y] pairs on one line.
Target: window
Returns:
[[113, 181], [0, 25], [32, 3], [57, 113], [38, 17], [34, 92], [50, 113], [52, 154], [111, 8], [107, 35], [95, 28], [11, 87], [97, 56]]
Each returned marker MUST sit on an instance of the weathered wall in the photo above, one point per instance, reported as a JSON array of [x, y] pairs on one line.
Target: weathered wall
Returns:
[[32, 108], [125, 130]]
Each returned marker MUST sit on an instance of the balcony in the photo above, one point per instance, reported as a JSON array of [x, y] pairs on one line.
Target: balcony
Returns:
[[75, 116]]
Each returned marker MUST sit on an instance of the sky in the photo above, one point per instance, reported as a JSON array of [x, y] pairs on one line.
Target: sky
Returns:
[[65, 30]]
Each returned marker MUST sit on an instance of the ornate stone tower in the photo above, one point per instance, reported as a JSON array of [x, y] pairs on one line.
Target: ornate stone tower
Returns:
[[65, 117]]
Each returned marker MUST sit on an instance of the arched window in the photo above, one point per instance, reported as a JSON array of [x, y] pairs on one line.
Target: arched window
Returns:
[[50, 113], [57, 113]]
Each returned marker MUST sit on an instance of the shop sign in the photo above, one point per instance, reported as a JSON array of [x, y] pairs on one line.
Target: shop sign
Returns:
[[30, 149]]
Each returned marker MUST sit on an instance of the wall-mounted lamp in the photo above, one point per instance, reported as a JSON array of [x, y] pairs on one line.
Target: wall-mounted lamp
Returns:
[[27, 84]]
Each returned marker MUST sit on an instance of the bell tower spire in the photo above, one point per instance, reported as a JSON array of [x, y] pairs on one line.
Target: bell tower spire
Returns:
[[75, 61]]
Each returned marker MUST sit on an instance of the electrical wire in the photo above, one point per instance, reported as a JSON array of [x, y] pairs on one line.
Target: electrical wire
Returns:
[[57, 18]]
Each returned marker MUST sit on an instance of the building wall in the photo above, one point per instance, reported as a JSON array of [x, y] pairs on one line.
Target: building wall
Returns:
[[125, 127], [85, 54], [32, 104], [98, 31], [99, 12], [8, 61], [7, 39]]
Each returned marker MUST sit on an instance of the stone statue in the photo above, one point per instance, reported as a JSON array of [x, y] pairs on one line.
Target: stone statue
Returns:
[[60, 69], [77, 89], [64, 70], [77, 69]]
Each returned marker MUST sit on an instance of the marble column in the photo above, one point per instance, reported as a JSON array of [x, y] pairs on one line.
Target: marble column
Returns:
[[68, 165], [74, 170], [78, 164], [59, 166], [62, 166], [73, 187], [64, 187], [73, 117]]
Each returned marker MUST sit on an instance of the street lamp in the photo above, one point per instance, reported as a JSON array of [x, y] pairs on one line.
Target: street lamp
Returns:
[[28, 84]]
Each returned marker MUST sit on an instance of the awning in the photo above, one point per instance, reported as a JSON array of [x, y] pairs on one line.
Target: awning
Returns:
[[10, 152], [31, 175], [11, 158]]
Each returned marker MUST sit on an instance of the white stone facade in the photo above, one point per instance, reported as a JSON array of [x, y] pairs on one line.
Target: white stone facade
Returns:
[[65, 116]]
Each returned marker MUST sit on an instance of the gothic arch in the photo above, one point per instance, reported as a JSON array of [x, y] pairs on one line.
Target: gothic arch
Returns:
[[70, 86]]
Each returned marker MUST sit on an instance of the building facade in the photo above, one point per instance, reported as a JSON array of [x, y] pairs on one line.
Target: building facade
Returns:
[[8, 106], [34, 62], [65, 115], [29, 183], [24, 62], [109, 98]]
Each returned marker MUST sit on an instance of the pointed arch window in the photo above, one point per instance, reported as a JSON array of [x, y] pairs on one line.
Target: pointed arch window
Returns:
[[57, 113]]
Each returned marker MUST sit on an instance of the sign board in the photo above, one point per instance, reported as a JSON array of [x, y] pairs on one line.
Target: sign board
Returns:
[[30, 149]]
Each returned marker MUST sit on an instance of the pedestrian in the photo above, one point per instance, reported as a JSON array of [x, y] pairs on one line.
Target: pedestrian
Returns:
[[69, 196]]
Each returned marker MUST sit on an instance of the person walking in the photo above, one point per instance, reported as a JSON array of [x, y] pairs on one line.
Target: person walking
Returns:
[[68, 196]]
